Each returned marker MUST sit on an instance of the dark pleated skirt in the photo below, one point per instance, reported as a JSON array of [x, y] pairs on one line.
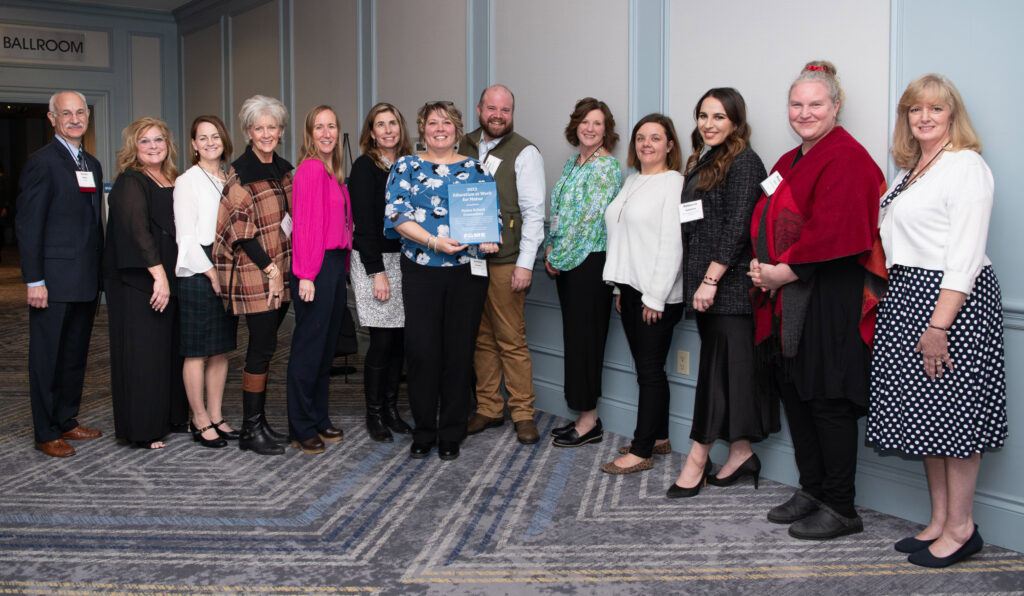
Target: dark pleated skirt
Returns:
[[728, 404]]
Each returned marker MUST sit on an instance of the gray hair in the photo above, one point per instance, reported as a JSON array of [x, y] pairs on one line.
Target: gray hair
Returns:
[[261, 105], [825, 73], [53, 100]]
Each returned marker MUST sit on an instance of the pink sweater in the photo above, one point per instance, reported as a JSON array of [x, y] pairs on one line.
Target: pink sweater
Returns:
[[322, 215]]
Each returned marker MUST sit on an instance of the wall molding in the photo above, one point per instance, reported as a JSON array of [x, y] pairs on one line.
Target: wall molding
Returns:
[[479, 49]]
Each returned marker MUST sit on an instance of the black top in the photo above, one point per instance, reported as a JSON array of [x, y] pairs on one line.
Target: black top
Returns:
[[366, 187], [723, 236], [140, 231]]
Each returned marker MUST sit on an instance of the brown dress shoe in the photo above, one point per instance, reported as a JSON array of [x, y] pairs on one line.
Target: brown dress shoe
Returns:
[[82, 432], [645, 464], [311, 446], [662, 449], [56, 448], [526, 432], [331, 434], [478, 422]]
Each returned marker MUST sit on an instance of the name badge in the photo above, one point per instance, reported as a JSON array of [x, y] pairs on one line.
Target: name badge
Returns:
[[771, 183], [478, 267], [554, 224], [691, 211], [491, 164], [86, 182], [287, 225]]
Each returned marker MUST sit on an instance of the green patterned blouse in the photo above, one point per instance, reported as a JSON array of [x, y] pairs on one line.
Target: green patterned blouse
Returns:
[[578, 202]]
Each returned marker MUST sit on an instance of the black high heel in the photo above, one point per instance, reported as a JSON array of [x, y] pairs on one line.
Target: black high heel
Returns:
[[677, 492], [197, 436], [750, 467], [227, 435]]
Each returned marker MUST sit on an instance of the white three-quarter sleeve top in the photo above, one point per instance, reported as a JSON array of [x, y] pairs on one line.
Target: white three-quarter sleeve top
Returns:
[[645, 248], [941, 221], [196, 200]]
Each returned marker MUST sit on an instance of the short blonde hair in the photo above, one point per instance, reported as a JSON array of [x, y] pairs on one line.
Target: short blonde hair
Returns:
[[128, 154], [445, 107], [933, 88]]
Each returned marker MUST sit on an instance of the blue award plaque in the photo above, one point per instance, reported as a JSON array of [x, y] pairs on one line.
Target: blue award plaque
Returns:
[[473, 212]]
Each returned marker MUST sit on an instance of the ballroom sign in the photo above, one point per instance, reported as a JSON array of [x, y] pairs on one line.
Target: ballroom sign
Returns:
[[24, 44]]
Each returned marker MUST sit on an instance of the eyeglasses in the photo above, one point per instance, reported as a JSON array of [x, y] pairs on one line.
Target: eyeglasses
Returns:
[[155, 141], [68, 113]]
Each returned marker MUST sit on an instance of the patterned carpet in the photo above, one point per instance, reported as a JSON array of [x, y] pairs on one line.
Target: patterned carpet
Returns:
[[364, 518]]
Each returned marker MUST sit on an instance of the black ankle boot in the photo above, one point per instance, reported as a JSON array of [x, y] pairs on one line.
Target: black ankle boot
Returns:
[[389, 413], [254, 436], [373, 383]]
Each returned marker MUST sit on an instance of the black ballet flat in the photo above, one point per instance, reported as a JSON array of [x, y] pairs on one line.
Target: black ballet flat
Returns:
[[561, 430], [197, 436], [925, 558], [912, 545], [680, 492], [750, 467]]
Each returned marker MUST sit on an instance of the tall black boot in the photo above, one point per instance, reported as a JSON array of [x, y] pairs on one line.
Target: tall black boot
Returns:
[[373, 383], [254, 436], [390, 415], [281, 438]]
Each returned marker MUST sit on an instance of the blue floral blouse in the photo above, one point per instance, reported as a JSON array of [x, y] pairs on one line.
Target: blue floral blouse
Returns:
[[579, 200], [417, 191]]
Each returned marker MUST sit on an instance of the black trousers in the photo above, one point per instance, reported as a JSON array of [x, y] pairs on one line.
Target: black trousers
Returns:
[[317, 325], [57, 354], [262, 338], [649, 345], [824, 433], [443, 306], [586, 303]]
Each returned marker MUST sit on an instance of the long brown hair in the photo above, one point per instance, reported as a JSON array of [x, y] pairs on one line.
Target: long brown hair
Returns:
[[368, 146], [128, 154], [715, 172], [225, 138], [311, 151]]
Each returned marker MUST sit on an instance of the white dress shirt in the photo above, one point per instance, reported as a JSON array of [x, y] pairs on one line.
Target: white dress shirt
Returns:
[[941, 221], [645, 247], [196, 201], [529, 167]]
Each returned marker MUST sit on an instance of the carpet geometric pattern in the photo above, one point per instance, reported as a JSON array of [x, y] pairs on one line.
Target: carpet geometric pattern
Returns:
[[504, 518]]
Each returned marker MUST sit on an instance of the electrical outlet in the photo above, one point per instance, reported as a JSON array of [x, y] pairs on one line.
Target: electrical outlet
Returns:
[[683, 362]]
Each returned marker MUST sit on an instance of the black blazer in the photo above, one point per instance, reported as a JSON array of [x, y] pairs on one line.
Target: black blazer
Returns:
[[60, 232], [723, 236]]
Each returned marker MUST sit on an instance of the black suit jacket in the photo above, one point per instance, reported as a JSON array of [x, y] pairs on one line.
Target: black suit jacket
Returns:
[[60, 233]]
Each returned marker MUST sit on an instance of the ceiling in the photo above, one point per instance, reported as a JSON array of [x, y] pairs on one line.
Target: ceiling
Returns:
[[158, 5]]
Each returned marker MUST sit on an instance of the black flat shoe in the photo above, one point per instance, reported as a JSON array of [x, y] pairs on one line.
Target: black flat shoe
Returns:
[[824, 524], [925, 558], [572, 438], [799, 506], [420, 450], [214, 443], [681, 492], [912, 545], [227, 435], [750, 467], [448, 450], [560, 430]]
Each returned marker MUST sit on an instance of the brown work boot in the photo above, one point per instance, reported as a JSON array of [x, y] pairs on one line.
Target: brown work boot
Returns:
[[478, 422], [526, 432]]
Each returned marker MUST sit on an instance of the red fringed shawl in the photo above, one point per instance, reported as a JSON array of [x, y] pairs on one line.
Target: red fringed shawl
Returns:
[[825, 208]]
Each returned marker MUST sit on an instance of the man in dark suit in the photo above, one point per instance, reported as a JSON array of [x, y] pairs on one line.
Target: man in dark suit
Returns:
[[60, 239]]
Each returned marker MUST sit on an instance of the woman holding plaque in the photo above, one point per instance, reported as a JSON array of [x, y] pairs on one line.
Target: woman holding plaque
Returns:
[[574, 254], [443, 299]]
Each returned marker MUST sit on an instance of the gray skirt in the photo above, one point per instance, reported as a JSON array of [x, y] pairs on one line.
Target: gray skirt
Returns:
[[372, 312]]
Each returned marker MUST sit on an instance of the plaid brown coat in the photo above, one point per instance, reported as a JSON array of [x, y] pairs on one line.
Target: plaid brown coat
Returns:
[[253, 210]]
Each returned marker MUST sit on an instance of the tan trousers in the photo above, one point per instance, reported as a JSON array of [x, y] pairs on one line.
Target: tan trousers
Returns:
[[501, 349]]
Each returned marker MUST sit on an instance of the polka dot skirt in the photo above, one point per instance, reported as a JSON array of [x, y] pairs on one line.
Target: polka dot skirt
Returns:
[[960, 414]]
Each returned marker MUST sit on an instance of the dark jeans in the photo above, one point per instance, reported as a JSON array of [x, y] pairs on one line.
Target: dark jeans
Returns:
[[586, 303], [649, 345]]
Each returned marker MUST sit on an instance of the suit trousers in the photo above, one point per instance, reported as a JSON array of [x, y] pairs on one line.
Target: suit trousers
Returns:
[[317, 325], [649, 345], [58, 350], [501, 350], [824, 434], [442, 317], [586, 303]]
